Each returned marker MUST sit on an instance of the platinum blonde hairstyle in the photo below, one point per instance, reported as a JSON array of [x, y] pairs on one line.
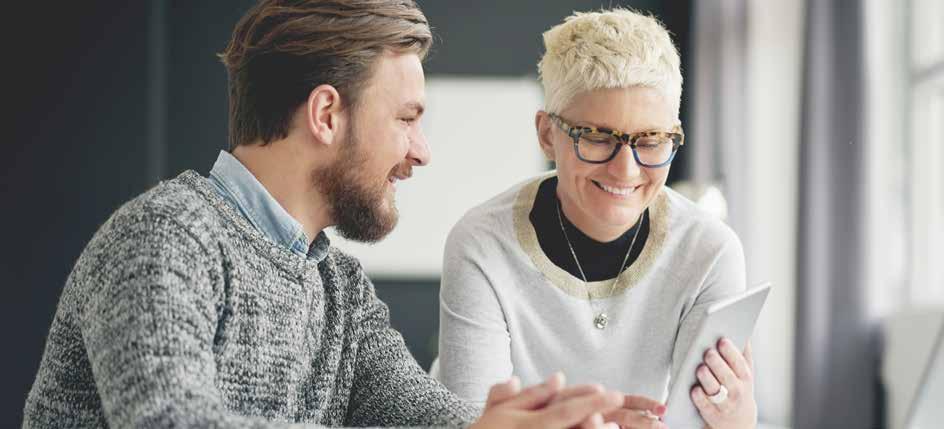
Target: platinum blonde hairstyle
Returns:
[[618, 48]]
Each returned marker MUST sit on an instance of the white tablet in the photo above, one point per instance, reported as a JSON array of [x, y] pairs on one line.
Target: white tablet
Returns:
[[733, 318]]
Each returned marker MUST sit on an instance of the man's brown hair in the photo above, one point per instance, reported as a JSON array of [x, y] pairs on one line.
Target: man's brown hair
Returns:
[[283, 49]]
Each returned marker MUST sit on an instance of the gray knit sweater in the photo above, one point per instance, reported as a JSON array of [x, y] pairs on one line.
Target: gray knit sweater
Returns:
[[180, 314]]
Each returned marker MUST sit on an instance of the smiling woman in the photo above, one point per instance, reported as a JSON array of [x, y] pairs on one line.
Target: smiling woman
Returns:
[[596, 268], [602, 188]]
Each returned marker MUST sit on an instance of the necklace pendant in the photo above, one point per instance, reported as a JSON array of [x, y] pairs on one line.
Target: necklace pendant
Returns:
[[601, 320]]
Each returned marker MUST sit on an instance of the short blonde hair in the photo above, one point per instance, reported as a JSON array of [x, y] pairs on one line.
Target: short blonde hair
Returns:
[[618, 48]]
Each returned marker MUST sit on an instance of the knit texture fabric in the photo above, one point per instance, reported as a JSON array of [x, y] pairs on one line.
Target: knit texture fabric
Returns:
[[179, 313]]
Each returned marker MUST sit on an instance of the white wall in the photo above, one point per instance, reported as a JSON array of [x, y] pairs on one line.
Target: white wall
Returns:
[[774, 87], [481, 133]]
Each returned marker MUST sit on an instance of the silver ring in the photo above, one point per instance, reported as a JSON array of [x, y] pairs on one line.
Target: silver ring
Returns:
[[719, 397]]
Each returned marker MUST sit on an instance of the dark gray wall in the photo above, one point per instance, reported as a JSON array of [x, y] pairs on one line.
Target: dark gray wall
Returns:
[[197, 92], [76, 86], [109, 96], [500, 37], [484, 37]]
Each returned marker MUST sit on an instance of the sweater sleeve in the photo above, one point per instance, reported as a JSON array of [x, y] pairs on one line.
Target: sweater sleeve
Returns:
[[149, 327], [390, 388], [727, 276], [474, 343]]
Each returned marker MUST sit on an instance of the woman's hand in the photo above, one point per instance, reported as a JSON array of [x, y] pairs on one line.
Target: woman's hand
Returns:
[[547, 405], [726, 367], [638, 412]]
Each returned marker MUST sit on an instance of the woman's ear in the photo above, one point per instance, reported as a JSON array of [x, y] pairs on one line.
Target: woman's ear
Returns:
[[543, 126], [323, 114]]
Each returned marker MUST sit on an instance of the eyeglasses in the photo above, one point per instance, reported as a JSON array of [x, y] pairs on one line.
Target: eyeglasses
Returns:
[[652, 149]]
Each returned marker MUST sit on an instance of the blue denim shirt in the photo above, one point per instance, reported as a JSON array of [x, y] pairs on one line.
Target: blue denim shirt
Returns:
[[238, 186]]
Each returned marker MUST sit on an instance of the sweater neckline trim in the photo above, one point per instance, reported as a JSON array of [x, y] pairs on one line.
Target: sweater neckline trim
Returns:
[[563, 280]]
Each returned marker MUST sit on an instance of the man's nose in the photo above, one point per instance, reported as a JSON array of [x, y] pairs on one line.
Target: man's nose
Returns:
[[419, 153]]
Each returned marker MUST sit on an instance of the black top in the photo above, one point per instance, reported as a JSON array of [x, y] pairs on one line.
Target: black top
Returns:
[[600, 261]]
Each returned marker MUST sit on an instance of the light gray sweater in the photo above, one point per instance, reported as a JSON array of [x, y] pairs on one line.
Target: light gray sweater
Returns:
[[180, 314], [506, 309]]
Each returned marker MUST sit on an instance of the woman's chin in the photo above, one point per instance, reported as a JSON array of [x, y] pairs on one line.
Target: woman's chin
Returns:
[[621, 219]]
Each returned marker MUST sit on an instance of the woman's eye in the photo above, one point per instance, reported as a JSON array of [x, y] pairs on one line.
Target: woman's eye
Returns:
[[598, 138], [408, 120]]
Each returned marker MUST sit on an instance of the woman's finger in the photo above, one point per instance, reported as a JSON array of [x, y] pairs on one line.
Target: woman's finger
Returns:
[[633, 402], [749, 356], [708, 410], [633, 419], [595, 421], [708, 382], [538, 395], [574, 391], [734, 358], [722, 372], [501, 392], [574, 411]]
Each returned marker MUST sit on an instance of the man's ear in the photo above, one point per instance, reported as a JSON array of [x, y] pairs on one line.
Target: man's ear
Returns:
[[543, 126], [323, 114]]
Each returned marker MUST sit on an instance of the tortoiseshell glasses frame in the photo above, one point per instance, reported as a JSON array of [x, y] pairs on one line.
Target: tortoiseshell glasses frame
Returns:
[[654, 146]]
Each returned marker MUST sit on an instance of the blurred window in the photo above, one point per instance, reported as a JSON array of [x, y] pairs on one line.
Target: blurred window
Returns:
[[925, 151]]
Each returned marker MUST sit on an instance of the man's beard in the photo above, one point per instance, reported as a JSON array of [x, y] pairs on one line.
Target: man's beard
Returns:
[[356, 206]]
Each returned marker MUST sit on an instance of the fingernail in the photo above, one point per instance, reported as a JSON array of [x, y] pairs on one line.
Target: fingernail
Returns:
[[555, 380], [661, 409]]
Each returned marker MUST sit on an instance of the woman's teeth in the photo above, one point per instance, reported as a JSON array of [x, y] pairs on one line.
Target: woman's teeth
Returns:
[[616, 191]]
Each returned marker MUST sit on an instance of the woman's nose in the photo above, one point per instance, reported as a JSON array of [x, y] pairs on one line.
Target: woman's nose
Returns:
[[624, 164]]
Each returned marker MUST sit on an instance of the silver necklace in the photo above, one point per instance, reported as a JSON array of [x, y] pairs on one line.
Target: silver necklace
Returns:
[[601, 319]]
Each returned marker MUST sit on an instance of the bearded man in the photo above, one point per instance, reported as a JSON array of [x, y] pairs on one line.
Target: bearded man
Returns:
[[219, 302]]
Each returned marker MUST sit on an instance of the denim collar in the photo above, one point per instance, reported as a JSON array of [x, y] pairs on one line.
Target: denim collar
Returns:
[[239, 187]]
